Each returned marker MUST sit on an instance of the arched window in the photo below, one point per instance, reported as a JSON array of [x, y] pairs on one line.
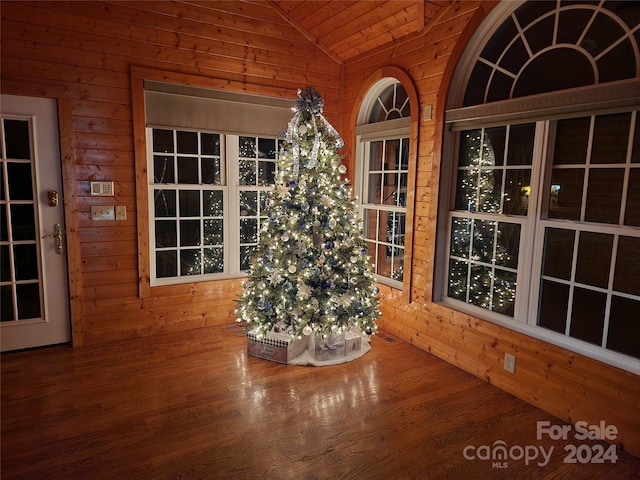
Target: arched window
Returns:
[[542, 203], [383, 171]]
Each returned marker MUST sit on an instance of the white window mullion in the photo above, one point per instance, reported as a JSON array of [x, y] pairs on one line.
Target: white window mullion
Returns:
[[232, 203], [531, 251]]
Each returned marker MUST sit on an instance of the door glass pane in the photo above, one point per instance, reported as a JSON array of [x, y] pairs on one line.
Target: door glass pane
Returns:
[[23, 224], [17, 139], [20, 261], [20, 181], [28, 296], [6, 303], [26, 262]]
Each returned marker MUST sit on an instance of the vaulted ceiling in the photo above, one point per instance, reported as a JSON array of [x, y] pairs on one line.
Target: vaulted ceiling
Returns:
[[345, 29]]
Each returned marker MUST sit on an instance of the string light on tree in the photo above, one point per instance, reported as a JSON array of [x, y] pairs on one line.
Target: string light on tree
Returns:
[[310, 272]]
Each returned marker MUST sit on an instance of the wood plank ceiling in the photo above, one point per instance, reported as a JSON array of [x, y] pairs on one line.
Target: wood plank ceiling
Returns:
[[345, 29]]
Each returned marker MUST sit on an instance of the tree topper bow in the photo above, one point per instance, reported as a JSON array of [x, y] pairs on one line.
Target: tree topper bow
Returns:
[[309, 100]]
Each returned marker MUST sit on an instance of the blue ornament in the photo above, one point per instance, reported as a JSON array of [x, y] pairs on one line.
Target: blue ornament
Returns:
[[292, 183], [328, 245], [326, 285], [375, 290]]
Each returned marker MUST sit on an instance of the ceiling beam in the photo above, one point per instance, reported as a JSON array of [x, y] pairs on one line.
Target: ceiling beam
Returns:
[[284, 14]]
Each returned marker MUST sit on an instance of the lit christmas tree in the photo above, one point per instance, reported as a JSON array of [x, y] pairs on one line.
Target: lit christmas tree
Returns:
[[310, 272]]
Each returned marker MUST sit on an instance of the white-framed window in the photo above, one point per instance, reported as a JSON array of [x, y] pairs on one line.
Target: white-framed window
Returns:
[[383, 171], [207, 197], [211, 158], [256, 177], [540, 210]]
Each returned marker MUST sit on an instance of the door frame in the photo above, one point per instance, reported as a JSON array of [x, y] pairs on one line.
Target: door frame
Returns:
[[72, 220]]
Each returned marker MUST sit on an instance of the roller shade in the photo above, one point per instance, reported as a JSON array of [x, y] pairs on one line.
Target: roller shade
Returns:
[[180, 106]]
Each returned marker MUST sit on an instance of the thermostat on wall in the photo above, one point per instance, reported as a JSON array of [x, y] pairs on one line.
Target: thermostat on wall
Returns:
[[103, 189]]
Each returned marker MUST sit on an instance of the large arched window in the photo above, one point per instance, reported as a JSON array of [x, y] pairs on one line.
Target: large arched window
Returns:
[[542, 201], [383, 172]]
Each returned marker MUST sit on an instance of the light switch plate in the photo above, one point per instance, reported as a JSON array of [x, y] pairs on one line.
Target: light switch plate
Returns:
[[102, 212]]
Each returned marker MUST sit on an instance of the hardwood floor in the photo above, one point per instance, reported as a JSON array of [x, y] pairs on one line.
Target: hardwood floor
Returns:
[[193, 405]]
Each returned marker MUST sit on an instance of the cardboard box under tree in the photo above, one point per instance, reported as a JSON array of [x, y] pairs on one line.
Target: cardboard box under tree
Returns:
[[276, 346]]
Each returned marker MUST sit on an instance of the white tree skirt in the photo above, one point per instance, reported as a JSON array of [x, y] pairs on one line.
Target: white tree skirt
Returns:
[[306, 358]]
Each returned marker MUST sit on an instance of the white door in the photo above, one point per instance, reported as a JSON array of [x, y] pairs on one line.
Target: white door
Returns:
[[34, 284]]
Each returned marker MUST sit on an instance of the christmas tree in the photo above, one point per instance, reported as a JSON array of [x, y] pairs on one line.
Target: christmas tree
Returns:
[[310, 272]]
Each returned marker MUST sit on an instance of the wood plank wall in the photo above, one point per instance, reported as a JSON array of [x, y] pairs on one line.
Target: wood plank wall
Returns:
[[82, 53], [561, 382]]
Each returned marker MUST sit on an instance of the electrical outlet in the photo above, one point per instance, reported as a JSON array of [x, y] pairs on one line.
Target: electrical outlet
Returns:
[[510, 363]]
